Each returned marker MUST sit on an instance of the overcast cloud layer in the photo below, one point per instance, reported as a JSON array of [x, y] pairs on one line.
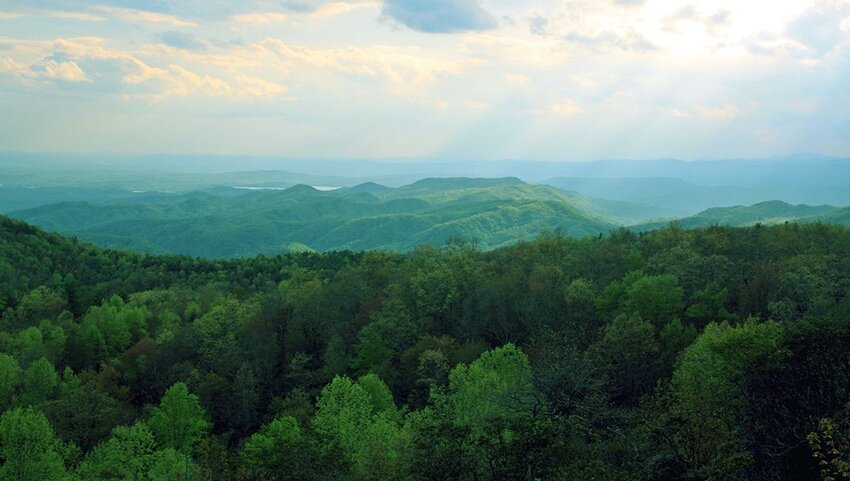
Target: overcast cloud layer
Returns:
[[478, 79]]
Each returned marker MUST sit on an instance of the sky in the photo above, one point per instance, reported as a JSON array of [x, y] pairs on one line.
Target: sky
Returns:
[[438, 79]]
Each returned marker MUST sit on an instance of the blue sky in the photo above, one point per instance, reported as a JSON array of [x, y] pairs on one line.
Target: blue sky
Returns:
[[473, 79]]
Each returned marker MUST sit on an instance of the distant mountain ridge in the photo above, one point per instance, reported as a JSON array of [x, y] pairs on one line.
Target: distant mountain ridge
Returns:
[[493, 212], [770, 212]]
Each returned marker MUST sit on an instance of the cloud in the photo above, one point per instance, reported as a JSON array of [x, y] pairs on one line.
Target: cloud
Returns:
[[338, 8], [724, 112], [48, 69], [710, 21], [538, 25], [629, 40], [115, 71], [260, 18], [566, 109], [820, 30], [262, 69], [518, 80], [630, 3], [80, 16], [68, 71], [440, 16], [257, 87], [130, 15], [181, 40]]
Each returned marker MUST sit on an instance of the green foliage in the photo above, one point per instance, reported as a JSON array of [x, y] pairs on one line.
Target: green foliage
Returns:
[[657, 299], [131, 454], [179, 422], [276, 451], [628, 356], [40, 381], [109, 329], [10, 379], [623, 356], [496, 386], [29, 449], [366, 431], [709, 400], [496, 212]]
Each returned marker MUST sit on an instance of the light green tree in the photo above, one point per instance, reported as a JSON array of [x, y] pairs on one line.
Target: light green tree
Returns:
[[29, 449], [273, 452], [131, 454], [40, 382], [367, 431], [179, 422]]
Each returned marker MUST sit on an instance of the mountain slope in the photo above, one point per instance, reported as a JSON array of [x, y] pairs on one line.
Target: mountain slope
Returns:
[[493, 212], [771, 212]]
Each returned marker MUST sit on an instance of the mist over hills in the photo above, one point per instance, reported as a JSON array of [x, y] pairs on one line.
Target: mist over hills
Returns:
[[810, 178], [194, 205], [493, 212], [767, 213]]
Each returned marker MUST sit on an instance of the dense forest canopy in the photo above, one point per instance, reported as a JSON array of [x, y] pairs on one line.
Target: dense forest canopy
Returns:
[[716, 353]]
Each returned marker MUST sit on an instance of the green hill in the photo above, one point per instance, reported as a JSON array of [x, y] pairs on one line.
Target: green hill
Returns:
[[493, 212], [771, 212]]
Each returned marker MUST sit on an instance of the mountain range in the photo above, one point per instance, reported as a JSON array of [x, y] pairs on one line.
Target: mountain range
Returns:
[[492, 212], [192, 206]]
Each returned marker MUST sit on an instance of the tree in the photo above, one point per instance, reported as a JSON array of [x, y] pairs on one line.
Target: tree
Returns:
[[29, 449], [372, 352], [830, 446], [371, 440], [490, 412], [84, 414], [40, 382], [657, 299], [276, 451], [39, 304], [179, 421], [496, 385], [244, 401], [28, 345], [10, 379], [580, 297], [131, 454], [628, 356], [707, 405], [109, 329]]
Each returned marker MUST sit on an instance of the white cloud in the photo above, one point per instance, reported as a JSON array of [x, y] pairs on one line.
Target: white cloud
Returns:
[[339, 8], [563, 108], [80, 16], [143, 16], [517, 79], [46, 69], [260, 18], [724, 112], [68, 71], [257, 87], [566, 109]]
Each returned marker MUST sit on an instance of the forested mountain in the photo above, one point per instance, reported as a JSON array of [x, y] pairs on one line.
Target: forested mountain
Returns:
[[771, 212], [493, 212], [664, 196], [663, 188], [717, 353]]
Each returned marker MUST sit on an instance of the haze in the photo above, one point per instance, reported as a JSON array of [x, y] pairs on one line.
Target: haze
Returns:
[[528, 80]]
